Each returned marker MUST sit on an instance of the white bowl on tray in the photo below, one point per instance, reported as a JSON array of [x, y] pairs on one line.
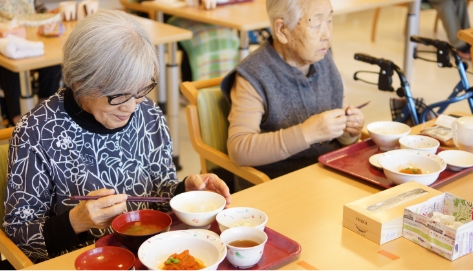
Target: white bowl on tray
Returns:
[[457, 160], [430, 165], [386, 134], [419, 143], [241, 216], [204, 245], [197, 209]]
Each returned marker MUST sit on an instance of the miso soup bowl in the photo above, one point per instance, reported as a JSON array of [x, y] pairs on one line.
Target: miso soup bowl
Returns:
[[430, 164], [386, 134], [135, 227], [242, 255], [197, 209]]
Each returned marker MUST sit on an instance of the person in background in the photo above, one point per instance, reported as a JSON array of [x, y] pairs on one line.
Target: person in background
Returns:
[[454, 17], [48, 78], [287, 100], [100, 136]]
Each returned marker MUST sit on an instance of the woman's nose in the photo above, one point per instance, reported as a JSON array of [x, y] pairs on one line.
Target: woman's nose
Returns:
[[130, 105]]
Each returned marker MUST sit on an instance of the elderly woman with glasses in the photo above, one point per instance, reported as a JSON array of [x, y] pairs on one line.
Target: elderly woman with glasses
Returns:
[[99, 137], [287, 100]]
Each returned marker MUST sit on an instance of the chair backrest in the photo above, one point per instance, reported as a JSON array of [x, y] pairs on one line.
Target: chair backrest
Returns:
[[8, 249], [213, 110], [207, 114], [212, 50]]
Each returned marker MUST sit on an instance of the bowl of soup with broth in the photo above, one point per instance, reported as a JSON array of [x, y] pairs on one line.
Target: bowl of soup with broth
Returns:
[[133, 228]]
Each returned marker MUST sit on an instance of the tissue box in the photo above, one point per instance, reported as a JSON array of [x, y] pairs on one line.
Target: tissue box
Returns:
[[433, 235], [379, 217], [17, 31]]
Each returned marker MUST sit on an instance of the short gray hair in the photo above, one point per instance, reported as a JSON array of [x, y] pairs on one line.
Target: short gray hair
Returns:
[[288, 10], [108, 53]]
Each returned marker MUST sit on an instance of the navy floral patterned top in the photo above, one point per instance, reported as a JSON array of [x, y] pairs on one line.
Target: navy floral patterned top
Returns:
[[58, 150]]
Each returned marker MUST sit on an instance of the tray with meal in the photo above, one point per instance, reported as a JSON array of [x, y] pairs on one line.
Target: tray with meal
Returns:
[[359, 160], [277, 250]]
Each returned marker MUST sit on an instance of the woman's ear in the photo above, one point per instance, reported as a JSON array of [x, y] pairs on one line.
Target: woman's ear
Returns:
[[281, 31]]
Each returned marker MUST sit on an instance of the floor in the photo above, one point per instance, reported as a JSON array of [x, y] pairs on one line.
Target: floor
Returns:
[[351, 35]]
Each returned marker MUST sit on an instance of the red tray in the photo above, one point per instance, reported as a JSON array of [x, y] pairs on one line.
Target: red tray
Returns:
[[353, 160], [277, 250]]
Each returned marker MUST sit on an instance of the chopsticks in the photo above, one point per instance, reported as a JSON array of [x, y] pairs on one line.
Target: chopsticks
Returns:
[[130, 198], [363, 105]]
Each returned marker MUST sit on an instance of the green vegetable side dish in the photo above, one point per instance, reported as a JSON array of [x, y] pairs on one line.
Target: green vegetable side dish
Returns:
[[172, 260]]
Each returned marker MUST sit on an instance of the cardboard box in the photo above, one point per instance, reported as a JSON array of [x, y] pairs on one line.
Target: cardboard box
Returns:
[[433, 235], [379, 217]]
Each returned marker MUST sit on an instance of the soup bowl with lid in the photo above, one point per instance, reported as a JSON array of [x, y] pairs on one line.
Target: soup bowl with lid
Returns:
[[135, 227]]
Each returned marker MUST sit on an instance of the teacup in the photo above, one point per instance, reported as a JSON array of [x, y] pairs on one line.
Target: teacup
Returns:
[[462, 133], [245, 245]]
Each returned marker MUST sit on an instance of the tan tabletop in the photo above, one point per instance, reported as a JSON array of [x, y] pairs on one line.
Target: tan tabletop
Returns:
[[160, 33], [307, 206]]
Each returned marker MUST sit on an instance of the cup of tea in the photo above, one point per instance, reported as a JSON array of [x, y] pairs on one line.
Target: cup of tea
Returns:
[[245, 245], [462, 133]]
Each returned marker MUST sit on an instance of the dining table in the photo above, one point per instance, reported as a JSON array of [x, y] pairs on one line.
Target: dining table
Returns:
[[161, 34], [306, 206]]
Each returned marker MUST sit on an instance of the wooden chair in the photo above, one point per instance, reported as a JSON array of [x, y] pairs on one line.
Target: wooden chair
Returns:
[[131, 5], [466, 35], [8, 249], [207, 114]]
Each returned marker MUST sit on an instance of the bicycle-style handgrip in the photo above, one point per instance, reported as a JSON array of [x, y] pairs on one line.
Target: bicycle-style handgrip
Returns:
[[367, 58], [425, 41]]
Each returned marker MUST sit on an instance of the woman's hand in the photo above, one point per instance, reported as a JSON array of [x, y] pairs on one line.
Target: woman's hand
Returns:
[[99, 213], [208, 182], [355, 121], [324, 126]]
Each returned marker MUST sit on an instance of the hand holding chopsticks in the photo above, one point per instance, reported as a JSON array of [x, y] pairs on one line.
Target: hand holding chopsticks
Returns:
[[130, 198]]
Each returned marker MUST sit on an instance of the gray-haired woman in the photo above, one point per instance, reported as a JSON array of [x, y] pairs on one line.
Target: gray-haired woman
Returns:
[[100, 137], [287, 96]]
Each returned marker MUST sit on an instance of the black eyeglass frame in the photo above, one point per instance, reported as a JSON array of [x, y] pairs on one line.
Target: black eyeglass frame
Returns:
[[150, 87]]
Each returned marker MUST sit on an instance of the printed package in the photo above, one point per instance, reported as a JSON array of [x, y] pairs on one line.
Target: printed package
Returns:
[[448, 242], [378, 217]]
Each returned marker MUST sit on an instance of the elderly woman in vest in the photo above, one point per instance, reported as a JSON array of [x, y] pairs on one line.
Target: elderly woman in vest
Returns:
[[100, 137], [287, 101]]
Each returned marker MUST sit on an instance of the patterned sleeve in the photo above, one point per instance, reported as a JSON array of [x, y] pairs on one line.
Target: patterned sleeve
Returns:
[[27, 202], [163, 170]]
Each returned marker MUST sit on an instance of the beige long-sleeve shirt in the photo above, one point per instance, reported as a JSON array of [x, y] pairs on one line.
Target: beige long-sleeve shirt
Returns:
[[246, 144]]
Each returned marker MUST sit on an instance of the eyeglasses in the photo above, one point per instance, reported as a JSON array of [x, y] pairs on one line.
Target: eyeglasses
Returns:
[[123, 98]]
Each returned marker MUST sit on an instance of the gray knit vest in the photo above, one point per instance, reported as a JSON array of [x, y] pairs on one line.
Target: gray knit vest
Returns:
[[289, 98]]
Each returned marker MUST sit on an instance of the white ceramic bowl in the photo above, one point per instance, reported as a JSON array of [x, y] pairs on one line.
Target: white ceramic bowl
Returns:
[[197, 209], [244, 257], [430, 164], [457, 160], [241, 216], [204, 245], [386, 134], [419, 143]]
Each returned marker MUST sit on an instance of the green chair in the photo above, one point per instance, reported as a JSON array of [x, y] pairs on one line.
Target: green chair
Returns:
[[9, 250], [207, 114]]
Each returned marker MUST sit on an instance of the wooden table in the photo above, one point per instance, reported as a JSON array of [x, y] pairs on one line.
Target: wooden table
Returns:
[[307, 206], [160, 34], [249, 16]]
